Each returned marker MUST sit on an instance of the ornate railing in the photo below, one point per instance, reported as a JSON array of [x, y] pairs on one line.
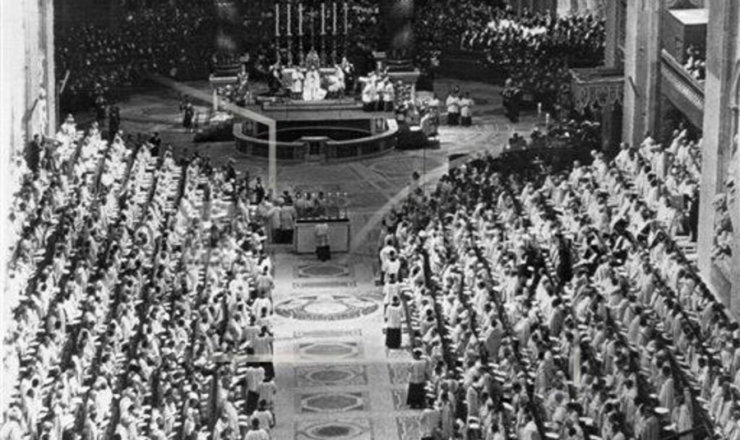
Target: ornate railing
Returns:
[[679, 86]]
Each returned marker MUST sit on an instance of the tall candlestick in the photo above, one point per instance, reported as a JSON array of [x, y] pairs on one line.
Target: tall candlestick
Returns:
[[345, 17], [300, 19], [277, 19], [334, 17], [288, 20], [323, 18]]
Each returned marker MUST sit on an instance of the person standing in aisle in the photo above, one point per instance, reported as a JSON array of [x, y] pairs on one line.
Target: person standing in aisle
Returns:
[[287, 222], [466, 110], [418, 376], [321, 233], [393, 318], [256, 433], [453, 108]]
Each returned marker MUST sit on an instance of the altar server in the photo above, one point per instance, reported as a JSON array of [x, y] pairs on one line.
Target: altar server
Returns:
[[466, 110], [394, 318], [389, 95], [418, 376], [369, 93], [296, 79], [453, 109]]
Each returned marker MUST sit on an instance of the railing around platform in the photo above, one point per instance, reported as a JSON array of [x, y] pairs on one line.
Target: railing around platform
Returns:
[[319, 147]]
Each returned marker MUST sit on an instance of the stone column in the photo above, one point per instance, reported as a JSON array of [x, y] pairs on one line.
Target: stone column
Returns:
[[47, 9], [717, 128], [641, 68], [612, 33]]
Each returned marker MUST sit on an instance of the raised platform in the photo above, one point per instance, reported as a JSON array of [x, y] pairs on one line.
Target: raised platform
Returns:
[[327, 130], [328, 109]]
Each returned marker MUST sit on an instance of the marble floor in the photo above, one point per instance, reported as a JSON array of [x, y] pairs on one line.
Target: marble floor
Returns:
[[336, 379], [372, 185]]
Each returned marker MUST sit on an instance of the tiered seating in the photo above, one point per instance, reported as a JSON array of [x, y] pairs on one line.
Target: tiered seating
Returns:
[[131, 374], [54, 300], [625, 346], [130, 326]]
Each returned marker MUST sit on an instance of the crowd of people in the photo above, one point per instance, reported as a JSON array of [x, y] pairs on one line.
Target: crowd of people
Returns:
[[696, 64], [170, 40], [558, 303], [142, 297], [178, 41], [534, 50]]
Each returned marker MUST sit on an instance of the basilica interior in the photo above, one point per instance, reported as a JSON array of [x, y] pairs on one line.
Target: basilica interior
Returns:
[[370, 219]]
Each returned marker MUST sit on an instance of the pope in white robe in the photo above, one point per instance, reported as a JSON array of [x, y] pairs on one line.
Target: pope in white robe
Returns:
[[312, 90]]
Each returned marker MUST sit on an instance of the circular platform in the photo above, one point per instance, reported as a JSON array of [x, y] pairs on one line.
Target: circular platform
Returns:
[[330, 130]]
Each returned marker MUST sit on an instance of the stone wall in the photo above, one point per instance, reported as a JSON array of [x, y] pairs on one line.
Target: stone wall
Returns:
[[27, 101]]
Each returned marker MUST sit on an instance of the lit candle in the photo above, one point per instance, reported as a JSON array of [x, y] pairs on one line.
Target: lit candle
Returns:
[[323, 18], [345, 17], [334, 10], [277, 20], [300, 19], [539, 109], [288, 20], [547, 119]]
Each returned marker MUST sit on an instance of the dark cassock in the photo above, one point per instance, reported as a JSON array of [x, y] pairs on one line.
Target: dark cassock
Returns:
[[418, 376], [394, 318]]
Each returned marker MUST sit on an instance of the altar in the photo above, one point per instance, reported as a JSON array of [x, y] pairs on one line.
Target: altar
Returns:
[[324, 72], [304, 237]]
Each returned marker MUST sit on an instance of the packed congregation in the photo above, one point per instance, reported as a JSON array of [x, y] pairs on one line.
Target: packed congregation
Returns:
[[144, 289], [560, 301], [537, 279]]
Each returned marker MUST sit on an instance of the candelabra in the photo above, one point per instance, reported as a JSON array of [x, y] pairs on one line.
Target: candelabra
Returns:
[[290, 33], [323, 34], [334, 34], [301, 50], [277, 33], [346, 33]]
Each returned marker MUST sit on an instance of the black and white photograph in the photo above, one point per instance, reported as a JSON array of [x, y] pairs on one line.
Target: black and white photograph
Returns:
[[369, 220]]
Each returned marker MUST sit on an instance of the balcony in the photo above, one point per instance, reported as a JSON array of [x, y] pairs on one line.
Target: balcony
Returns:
[[600, 85], [685, 92]]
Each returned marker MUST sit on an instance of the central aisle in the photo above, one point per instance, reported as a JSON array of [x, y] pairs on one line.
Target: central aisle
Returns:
[[336, 380]]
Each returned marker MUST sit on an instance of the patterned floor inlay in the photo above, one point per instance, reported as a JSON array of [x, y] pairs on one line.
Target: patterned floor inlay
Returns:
[[330, 375], [326, 351], [332, 402], [399, 399], [325, 307], [408, 427], [325, 284], [345, 429], [399, 372], [298, 334], [323, 270]]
